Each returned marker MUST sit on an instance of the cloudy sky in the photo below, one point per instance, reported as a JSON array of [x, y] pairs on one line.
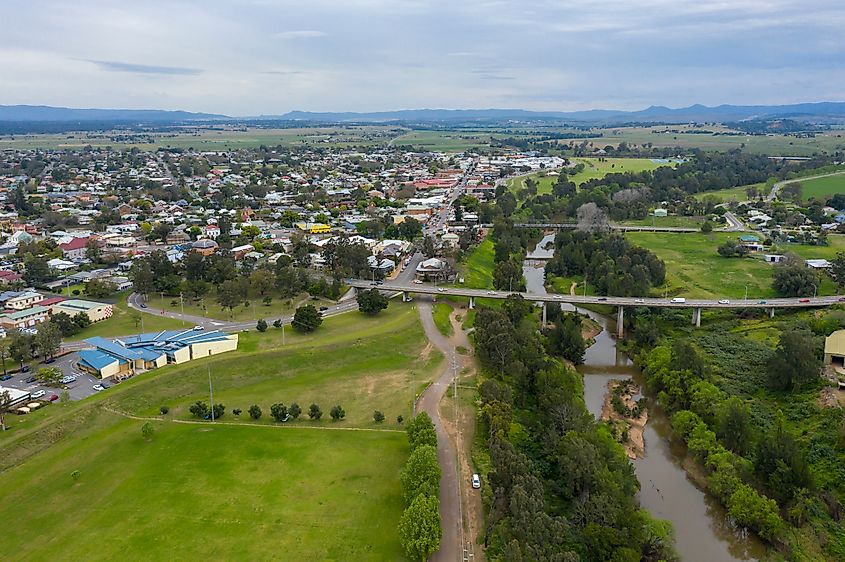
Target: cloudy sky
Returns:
[[250, 57]]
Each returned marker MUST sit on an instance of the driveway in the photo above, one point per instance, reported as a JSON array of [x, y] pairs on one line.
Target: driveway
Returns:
[[79, 389]]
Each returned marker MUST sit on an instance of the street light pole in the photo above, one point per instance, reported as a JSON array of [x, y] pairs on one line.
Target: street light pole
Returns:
[[210, 392], [746, 291]]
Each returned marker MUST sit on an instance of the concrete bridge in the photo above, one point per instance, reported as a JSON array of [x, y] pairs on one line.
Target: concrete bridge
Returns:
[[696, 305], [622, 227]]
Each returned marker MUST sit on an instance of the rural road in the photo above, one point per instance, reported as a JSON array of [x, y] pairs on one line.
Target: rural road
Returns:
[[777, 187], [451, 512]]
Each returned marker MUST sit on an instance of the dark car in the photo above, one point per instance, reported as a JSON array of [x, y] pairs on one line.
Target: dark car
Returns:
[[31, 379], [143, 305], [323, 308], [761, 302], [25, 369], [5, 377], [53, 398], [49, 360], [602, 298], [105, 384]]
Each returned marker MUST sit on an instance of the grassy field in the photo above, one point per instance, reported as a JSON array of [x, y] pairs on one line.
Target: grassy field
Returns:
[[821, 188], [477, 269], [210, 138], [673, 221], [238, 488], [208, 307], [448, 141], [125, 321], [695, 270], [441, 313], [732, 194], [593, 169], [236, 492]]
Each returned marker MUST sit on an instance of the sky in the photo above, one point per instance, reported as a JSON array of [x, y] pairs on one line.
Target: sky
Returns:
[[254, 57]]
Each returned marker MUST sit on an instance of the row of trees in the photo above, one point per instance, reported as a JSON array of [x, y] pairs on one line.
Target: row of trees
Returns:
[[419, 526]]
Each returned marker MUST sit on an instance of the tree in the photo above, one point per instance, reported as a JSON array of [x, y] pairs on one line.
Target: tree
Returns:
[[837, 270], [307, 318], [20, 346], [199, 409], [421, 474], [591, 218], [82, 320], [230, 295], [294, 411], [795, 281], [371, 302], [507, 275], [261, 326], [262, 281], [566, 340], [147, 431], [49, 376], [99, 289], [4, 353], [421, 431], [5, 408], [707, 227], [143, 279], [314, 412], [400, 418], [279, 412], [378, 416], [337, 412], [48, 340], [419, 528], [36, 270], [65, 324], [254, 411], [734, 425], [217, 411], [795, 363]]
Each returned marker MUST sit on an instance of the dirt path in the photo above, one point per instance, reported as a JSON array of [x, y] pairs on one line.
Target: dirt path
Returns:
[[572, 288], [455, 536]]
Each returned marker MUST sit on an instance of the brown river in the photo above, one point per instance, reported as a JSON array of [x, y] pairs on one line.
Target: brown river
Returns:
[[703, 531]]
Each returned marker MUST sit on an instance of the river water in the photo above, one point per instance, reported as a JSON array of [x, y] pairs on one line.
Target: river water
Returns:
[[703, 532]]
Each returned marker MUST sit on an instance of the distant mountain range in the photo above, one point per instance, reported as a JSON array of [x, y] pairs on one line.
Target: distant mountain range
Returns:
[[804, 112], [48, 113]]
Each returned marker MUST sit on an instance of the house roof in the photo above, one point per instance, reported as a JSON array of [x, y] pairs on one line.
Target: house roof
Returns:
[[97, 359], [75, 244], [834, 344]]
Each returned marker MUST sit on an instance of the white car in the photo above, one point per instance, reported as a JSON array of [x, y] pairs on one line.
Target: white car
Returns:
[[38, 393], [417, 282], [68, 379], [199, 328], [476, 481], [491, 292], [98, 387], [678, 300], [441, 289], [639, 301], [724, 301]]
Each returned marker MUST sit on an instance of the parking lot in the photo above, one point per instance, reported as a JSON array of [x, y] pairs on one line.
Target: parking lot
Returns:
[[81, 388]]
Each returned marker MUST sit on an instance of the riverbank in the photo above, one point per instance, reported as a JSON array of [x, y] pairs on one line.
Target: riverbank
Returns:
[[625, 416]]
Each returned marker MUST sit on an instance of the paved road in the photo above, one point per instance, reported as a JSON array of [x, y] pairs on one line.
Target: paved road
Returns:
[[615, 301], [734, 224], [450, 498], [777, 187]]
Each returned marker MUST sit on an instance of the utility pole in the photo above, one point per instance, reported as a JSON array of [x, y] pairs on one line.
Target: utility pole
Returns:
[[182, 305], [210, 393]]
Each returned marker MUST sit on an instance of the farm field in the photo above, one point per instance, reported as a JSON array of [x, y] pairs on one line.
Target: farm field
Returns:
[[208, 138], [245, 488], [448, 141], [821, 188], [695, 270]]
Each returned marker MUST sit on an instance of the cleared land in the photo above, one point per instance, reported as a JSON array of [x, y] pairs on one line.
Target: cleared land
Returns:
[[594, 168], [821, 188], [694, 268], [238, 488], [732, 194]]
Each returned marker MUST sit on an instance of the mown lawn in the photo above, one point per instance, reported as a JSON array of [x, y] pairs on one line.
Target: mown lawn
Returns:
[[694, 269], [822, 188], [238, 488], [125, 322], [248, 493], [255, 309]]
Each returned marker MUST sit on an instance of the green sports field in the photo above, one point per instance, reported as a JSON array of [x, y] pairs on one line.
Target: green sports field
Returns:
[[237, 488]]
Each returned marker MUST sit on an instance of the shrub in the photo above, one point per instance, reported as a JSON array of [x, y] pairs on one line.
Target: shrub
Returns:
[[294, 411], [279, 412], [254, 411], [378, 416], [337, 412], [163, 410], [314, 412]]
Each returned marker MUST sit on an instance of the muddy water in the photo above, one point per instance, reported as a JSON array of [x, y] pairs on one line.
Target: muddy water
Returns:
[[703, 532]]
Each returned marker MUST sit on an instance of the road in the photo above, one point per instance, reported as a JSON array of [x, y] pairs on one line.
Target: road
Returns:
[[451, 544], [614, 301], [734, 224], [777, 187]]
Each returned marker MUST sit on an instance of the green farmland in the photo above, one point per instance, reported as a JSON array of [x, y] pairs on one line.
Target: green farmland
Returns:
[[822, 188], [238, 488], [694, 269]]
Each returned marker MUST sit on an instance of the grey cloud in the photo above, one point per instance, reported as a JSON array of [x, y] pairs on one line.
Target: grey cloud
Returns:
[[118, 66]]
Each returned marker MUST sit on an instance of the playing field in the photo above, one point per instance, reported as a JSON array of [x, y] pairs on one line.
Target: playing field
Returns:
[[237, 488], [694, 269]]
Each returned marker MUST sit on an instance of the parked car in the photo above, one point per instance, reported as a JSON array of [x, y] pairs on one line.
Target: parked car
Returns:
[[98, 387], [25, 369], [53, 398], [678, 300], [5, 377], [104, 384], [49, 360], [30, 379], [38, 393], [323, 308], [476, 481], [67, 379], [198, 328]]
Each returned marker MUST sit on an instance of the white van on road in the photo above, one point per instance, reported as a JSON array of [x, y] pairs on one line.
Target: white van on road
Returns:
[[679, 300]]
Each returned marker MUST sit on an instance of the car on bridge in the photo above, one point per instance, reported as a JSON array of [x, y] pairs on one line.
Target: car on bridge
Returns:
[[678, 300], [724, 301], [803, 300]]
